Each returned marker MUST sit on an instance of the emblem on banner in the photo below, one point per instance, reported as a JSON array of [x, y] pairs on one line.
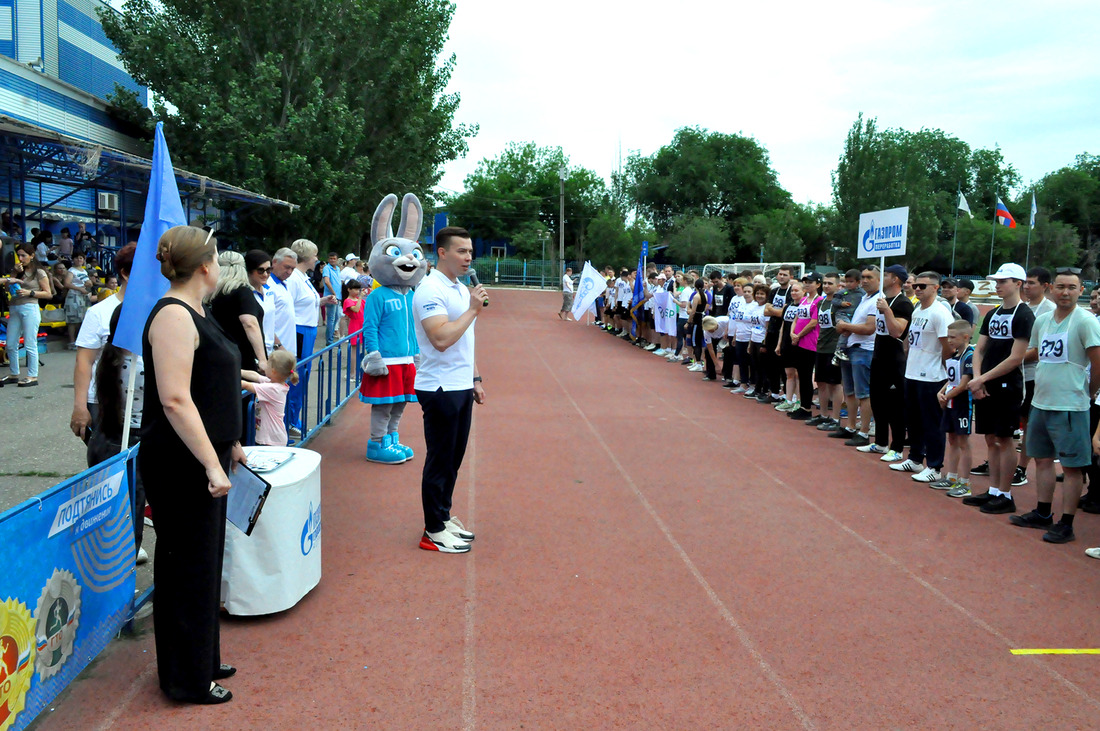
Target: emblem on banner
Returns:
[[311, 530], [57, 618], [16, 659]]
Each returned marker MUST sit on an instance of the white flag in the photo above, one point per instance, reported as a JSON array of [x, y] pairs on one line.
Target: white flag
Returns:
[[1034, 209], [662, 312], [963, 205], [590, 287]]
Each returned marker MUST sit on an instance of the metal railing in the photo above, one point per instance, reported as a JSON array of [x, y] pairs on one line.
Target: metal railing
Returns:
[[336, 370]]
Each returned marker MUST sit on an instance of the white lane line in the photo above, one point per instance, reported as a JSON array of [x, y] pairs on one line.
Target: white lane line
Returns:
[[727, 615], [976, 620], [469, 655], [127, 697]]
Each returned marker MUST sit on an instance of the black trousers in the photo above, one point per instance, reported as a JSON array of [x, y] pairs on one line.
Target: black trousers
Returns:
[[923, 412], [888, 402], [188, 565], [1093, 470], [711, 368], [729, 357], [447, 416], [773, 371], [756, 355], [742, 359], [804, 361]]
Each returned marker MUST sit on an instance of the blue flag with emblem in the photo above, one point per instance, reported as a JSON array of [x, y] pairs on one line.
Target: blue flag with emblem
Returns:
[[639, 288], [163, 210]]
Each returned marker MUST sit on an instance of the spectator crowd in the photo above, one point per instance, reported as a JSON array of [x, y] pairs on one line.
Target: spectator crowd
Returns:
[[901, 366]]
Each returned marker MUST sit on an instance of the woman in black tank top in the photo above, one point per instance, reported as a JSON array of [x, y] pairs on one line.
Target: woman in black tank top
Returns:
[[190, 424]]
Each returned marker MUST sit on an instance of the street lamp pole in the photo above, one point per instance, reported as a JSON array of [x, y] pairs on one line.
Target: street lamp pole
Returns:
[[561, 223], [542, 237]]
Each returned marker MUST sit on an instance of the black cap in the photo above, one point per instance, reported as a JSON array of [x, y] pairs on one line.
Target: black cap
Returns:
[[950, 282], [965, 284], [811, 277]]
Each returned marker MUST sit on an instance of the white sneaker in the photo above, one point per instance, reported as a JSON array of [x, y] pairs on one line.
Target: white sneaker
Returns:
[[871, 429], [142, 557], [697, 368], [871, 448], [455, 528], [660, 351], [927, 475], [1092, 552], [892, 456], [651, 347], [738, 389], [443, 542], [906, 466]]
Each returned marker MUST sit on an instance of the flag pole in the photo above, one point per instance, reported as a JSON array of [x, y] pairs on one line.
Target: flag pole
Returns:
[[955, 237], [1027, 254], [129, 403], [991, 240]]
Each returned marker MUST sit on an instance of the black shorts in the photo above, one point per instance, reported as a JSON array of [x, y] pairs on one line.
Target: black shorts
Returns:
[[788, 356], [825, 371], [959, 417], [999, 412], [648, 318], [1029, 392], [620, 310]]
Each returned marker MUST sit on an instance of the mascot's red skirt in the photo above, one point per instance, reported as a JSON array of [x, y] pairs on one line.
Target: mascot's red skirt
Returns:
[[395, 388]]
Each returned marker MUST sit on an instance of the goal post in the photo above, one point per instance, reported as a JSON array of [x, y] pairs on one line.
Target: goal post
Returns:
[[768, 268]]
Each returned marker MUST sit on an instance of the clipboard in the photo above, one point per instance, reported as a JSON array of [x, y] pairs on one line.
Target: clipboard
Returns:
[[247, 494]]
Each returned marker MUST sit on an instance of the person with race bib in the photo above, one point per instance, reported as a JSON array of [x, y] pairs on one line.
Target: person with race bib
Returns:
[[827, 374], [788, 400], [804, 334], [1066, 344], [958, 411], [777, 300], [758, 324], [740, 336], [998, 386], [844, 307], [924, 380], [861, 348], [893, 311]]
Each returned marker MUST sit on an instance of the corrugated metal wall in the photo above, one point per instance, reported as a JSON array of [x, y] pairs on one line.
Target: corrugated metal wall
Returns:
[[28, 30]]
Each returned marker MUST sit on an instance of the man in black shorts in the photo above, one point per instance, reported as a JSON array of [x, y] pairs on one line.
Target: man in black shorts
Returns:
[[893, 313], [998, 386], [773, 309]]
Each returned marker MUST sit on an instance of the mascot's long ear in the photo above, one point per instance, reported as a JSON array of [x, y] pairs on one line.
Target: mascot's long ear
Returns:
[[412, 218], [381, 228]]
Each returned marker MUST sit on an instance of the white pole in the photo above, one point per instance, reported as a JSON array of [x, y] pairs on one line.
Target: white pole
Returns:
[[129, 402]]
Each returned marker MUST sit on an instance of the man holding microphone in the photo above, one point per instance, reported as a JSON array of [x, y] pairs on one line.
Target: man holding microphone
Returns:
[[447, 382]]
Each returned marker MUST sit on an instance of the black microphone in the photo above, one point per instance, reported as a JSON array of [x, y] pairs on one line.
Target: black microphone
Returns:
[[473, 281]]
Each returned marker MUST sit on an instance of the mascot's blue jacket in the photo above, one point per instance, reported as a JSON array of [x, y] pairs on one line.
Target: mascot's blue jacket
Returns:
[[388, 326]]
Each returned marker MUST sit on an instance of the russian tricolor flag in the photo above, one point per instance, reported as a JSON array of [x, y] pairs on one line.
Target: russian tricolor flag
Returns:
[[1003, 216]]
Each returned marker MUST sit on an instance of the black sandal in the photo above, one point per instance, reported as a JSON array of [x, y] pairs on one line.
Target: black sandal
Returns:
[[216, 695], [224, 671]]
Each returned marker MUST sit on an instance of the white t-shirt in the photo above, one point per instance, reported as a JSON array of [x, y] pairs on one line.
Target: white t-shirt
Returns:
[[307, 303], [267, 303], [94, 333], [683, 299], [282, 316], [567, 283], [1047, 305], [758, 322], [348, 273], [452, 369], [925, 359], [866, 308], [721, 332]]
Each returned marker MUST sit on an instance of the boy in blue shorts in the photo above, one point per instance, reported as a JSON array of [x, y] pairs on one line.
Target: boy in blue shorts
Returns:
[[958, 411]]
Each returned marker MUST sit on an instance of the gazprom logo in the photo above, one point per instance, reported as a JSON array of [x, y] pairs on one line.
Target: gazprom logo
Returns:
[[883, 238], [311, 531]]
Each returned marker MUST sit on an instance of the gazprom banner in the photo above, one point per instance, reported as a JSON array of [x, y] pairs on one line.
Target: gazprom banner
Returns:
[[883, 233], [66, 586]]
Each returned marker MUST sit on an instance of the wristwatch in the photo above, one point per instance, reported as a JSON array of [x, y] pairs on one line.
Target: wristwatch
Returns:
[[477, 379]]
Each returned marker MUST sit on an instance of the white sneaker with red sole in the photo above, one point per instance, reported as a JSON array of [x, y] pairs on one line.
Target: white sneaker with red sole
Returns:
[[443, 542]]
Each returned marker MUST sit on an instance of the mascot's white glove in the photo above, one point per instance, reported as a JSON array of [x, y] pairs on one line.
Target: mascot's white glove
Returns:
[[416, 361], [372, 364]]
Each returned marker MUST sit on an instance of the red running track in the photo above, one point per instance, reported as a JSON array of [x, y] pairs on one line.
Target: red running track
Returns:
[[652, 552]]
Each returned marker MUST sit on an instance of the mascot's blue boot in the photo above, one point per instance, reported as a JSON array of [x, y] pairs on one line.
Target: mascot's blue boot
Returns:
[[383, 453], [395, 442]]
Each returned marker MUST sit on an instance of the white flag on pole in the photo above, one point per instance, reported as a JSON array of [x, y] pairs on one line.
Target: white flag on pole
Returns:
[[589, 288], [662, 312], [963, 205], [1034, 209]]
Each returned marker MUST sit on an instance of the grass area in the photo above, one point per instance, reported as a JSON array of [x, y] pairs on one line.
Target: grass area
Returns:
[[33, 473]]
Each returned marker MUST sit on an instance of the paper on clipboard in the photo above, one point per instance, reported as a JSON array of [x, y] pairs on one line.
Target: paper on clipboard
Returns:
[[246, 497]]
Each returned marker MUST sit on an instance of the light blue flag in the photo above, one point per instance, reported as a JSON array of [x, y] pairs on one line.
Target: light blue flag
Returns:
[[163, 210]]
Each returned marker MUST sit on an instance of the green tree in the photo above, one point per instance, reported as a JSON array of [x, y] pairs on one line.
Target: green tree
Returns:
[[522, 186], [609, 240], [1072, 195], [696, 239], [776, 234], [327, 103]]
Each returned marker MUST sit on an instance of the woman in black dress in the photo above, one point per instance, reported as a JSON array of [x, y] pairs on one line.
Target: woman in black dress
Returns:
[[190, 426], [234, 306]]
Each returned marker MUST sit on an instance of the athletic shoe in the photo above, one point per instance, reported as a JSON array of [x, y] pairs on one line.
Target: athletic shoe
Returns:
[[696, 368], [751, 393], [728, 384], [651, 347], [1031, 520], [384, 452], [294, 432], [1019, 477], [892, 456], [980, 499], [1018, 434], [960, 490], [799, 414], [623, 334], [906, 465], [1090, 506], [1092, 552], [857, 441], [738, 389], [815, 420], [784, 405], [443, 542], [871, 429], [944, 483], [844, 413], [982, 469], [660, 351], [828, 425], [142, 557], [872, 449], [842, 432], [671, 357], [455, 528], [999, 505], [1059, 533], [709, 378], [928, 475], [687, 361], [767, 398]]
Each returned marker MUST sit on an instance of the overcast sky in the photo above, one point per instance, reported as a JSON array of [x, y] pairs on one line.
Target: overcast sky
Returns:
[[590, 74]]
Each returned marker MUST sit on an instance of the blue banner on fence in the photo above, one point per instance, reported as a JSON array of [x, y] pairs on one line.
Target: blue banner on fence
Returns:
[[66, 588]]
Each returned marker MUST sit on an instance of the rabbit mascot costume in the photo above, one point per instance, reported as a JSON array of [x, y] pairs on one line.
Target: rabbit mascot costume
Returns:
[[397, 264]]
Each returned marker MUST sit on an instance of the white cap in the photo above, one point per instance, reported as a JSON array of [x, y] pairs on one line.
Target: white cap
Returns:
[[1010, 271], [350, 257]]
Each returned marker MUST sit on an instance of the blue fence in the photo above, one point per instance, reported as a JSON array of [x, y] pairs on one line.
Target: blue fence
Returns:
[[67, 587]]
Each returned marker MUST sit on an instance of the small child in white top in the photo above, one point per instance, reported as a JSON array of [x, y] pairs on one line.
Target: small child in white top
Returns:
[[271, 397]]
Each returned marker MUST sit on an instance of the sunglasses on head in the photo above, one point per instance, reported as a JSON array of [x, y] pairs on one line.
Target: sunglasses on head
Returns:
[[1067, 270]]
